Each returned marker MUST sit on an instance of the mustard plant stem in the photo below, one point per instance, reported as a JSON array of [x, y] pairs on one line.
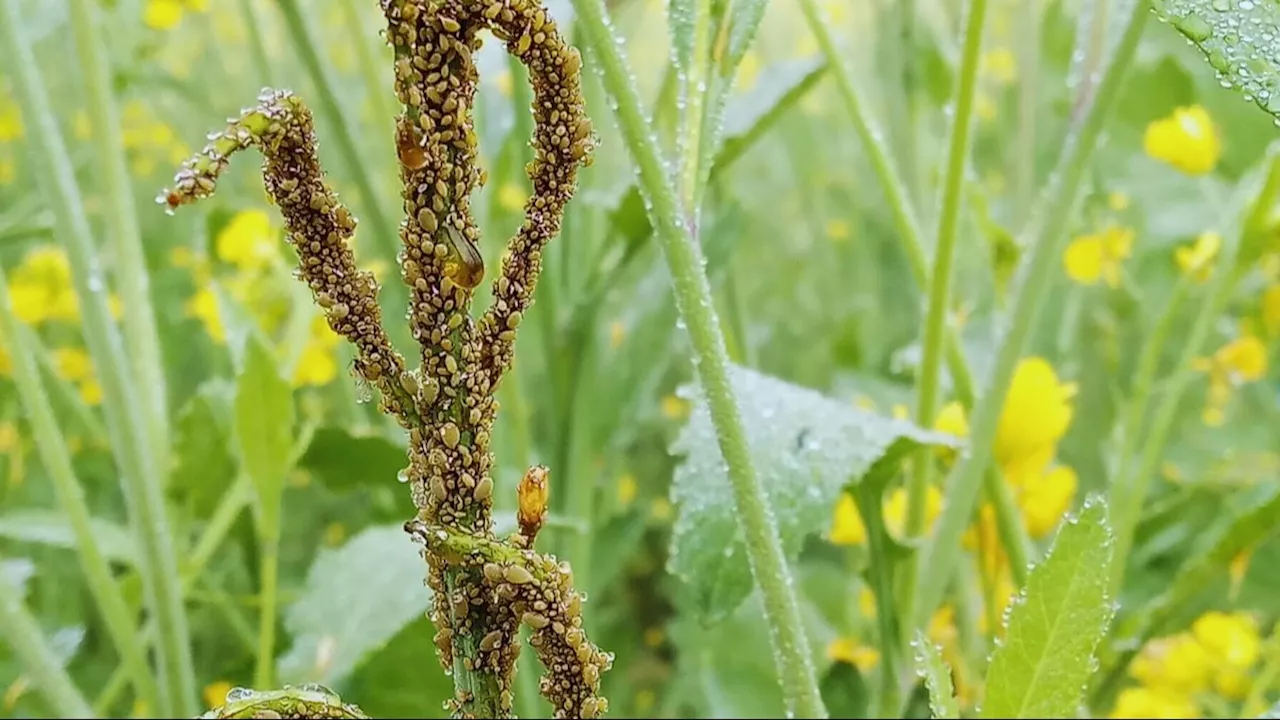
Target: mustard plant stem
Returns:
[[139, 476], [56, 457], [693, 297], [1046, 237], [132, 277], [1012, 532], [930, 371]]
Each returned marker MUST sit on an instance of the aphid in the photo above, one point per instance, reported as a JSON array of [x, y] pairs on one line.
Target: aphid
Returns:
[[464, 265]]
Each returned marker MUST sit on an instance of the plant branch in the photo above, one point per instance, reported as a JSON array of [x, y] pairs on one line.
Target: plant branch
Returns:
[[693, 297]]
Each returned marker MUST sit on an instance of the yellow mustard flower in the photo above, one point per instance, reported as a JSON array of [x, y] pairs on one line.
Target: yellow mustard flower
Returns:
[[1097, 257], [512, 197], [248, 241], [895, 510], [675, 407], [204, 307], [837, 230], [1271, 310], [40, 287], [1196, 259], [847, 650], [1244, 358], [866, 602], [1177, 665], [91, 392], [11, 127], [1044, 499], [846, 526], [1000, 65], [1187, 139], [166, 14], [73, 364], [951, 420], [748, 71], [1144, 702], [317, 365], [1230, 638], [215, 693], [1035, 416], [627, 489]]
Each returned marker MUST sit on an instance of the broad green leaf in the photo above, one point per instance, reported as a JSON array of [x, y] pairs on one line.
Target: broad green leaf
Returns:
[[392, 683], [202, 443], [264, 427], [1272, 714], [806, 447], [937, 677], [1239, 39], [356, 599], [48, 527], [1046, 656], [343, 461]]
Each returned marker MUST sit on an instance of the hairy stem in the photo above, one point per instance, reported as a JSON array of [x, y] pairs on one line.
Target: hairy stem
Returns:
[[693, 297], [131, 265], [1047, 236], [136, 459]]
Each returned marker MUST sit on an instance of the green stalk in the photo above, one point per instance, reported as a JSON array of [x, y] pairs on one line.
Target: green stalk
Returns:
[[252, 20], [940, 286], [42, 664], [696, 87], [1057, 201], [57, 462], [385, 235], [1024, 172], [693, 297], [1013, 533], [141, 479], [131, 265], [62, 389], [269, 570], [880, 577]]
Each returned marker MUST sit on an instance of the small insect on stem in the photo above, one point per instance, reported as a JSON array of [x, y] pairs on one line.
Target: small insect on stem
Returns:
[[464, 265], [532, 494]]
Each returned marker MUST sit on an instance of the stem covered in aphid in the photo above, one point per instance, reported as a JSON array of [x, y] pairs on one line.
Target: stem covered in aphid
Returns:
[[447, 402]]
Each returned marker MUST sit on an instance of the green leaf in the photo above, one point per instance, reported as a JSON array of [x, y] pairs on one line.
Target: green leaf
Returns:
[[937, 677], [356, 599], [744, 20], [1238, 37], [264, 427], [202, 443], [680, 23], [750, 115], [343, 461], [1272, 714], [1041, 666], [1257, 518], [806, 447], [48, 527], [17, 572]]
